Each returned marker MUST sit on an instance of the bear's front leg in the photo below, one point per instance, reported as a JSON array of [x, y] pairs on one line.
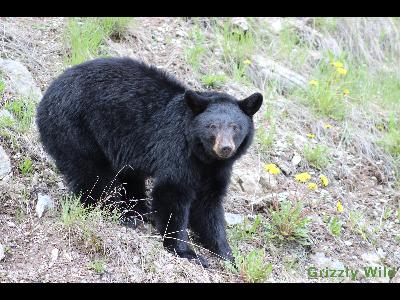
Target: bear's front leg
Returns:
[[171, 204], [207, 219]]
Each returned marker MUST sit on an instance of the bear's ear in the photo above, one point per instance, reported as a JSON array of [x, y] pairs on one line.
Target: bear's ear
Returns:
[[196, 102], [251, 104]]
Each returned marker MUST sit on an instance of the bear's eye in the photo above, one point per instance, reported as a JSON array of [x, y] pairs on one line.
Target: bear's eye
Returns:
[[234, 127], [212, 126]]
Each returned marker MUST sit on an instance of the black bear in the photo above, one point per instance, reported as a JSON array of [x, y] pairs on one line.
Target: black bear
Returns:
[[117, 121]]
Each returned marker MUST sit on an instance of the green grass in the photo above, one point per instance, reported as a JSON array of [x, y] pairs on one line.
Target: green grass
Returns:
[[24, 111], [246, 231], [72, 211], [26, 167], [237, 47], [335, 226], [213, 80], [288, 223], [195, 53], [317, 156], [252, 266], [391, 140], [98, 266], [85, 36], [2, 85]]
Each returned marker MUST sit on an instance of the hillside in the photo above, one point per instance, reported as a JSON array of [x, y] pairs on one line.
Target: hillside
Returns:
[[318, 188]]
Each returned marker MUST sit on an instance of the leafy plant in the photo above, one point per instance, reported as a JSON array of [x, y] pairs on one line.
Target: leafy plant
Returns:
[[316, 156], [289, 223], [24, 111], [98, 266], [335, 226], [26, 166], [252, 267], [213, 80]]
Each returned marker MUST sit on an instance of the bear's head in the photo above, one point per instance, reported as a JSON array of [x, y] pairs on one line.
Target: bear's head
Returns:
[[221, 126]]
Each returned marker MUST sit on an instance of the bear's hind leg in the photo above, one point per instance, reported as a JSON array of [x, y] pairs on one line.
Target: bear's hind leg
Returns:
[[136, 208]]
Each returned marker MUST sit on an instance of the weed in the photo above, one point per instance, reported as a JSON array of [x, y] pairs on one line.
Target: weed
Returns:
[[252, 267], [391, 141], [85, 36], [213, 80], [335, 226], [24, 111], [98, 266], [72, 211], [288, 223], [246, 231], [387, 213], [265, 137], [317, 156], [26, 166], [195, 53]]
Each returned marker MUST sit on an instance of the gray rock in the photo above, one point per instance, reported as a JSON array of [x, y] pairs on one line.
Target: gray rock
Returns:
[[264, 70], [246, 183], [20, 79], [268, 182], [240, 23], [44, 202], [296, 159], [321, 261], [5, 164], [2, 250], [6, 114], [371, 257], [233, 219]]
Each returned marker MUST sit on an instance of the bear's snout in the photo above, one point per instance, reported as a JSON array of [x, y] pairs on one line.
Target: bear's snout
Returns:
[[224, 145]]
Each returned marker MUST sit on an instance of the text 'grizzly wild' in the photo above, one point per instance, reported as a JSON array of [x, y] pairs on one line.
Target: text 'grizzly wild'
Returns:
[[113, 122]]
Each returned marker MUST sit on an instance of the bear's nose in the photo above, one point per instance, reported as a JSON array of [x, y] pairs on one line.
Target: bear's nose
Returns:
[[226, 151]]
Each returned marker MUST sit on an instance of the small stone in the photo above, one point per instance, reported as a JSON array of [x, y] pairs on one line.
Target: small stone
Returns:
[[268, 182], [54, 254], [296, 159], [348, 243], [5, 164], [233, 219], [2, 250], [381, 253], [240, 23], [11, 224], [247, 183], [61, 185], [44, 202], [371, 257], [6, 114]]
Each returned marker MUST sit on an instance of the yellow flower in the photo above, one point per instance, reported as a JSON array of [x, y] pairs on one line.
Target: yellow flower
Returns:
[[339, 207], [310, 135], [312, 186], [324, 180], [247, 62], [303, 177], [272, 169], [313, 82], [341, 71], [337, 64], [327, 126], [346, 92]]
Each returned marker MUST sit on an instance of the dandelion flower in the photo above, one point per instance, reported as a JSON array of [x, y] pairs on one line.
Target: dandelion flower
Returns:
[[339, 207], [312, 186], [303, 177], [346, 92], [247, 62], [337, 64], [327, 126], [341, 71], [324, 180], [313, 82], [310, 135], [272, 169]]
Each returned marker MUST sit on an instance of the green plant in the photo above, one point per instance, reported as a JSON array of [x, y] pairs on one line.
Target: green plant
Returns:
[[237, 47], [317, 156], [213, 80], [289, 223], [98, 266], [72, 211], [335, 226], [2, 86], [387, 213], [252, 267], [24, 111], [266, 138], [84, 36], [246, 231], [195, 53], [26, 166], [391, 141]]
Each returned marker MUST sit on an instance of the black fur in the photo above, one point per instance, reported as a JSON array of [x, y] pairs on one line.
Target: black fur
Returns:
[[113, 114]]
